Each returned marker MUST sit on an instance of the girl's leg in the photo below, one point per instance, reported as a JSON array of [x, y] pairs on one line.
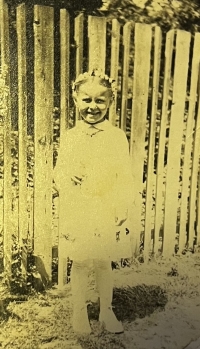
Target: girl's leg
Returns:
[[79, 280], [104, 279]]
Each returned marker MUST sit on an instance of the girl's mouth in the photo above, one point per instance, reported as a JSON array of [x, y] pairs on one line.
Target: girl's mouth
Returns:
[[93, 114]]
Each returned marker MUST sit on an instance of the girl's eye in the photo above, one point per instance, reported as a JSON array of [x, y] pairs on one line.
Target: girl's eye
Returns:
[[100, 101], [86, 100]]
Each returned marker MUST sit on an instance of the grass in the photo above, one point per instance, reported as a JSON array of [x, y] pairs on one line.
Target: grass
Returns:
[[148, 299]]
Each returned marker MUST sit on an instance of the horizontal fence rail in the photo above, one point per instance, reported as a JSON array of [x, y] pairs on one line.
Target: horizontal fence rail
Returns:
[[157, 105]]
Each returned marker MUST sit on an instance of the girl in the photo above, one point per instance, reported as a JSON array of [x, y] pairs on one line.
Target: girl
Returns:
[[93, 176]]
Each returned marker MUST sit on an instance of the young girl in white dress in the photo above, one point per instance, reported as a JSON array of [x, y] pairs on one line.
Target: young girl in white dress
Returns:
[[94, 180]]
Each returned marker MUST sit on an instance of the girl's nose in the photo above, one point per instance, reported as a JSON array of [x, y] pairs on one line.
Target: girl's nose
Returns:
[[92, 105]]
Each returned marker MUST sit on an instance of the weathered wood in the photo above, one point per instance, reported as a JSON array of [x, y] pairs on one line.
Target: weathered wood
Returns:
[[97, 42], [115, 39], [143, 35], [194, 175], [64, 69], [43, 75], [62, 261], [30, 214], [151, 145], [175, 140], [30, 189], [198, 213], [125, 73], [22, 122], [64, 117], [7, 180], [188, 144], [22, 128], [78, 38], [162, 138]]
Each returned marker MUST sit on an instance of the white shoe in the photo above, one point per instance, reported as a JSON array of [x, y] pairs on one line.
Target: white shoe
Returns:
[[80, 321], [110, 322]]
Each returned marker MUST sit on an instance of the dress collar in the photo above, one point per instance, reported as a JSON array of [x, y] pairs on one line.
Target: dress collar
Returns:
[[101, 126]]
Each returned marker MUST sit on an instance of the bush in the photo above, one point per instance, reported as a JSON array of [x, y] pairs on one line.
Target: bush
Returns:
[[168, 14]]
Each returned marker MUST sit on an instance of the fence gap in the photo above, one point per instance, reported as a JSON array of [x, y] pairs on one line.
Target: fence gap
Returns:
[[7, 179], [97, 42], [22, 127], [162, 137], [151, 146], [64, 69], [194, 175], [78, 38], [115, 40], [188, 144], [175, 140], [44, 74], [143, 36], [13, 75], [125, 73]]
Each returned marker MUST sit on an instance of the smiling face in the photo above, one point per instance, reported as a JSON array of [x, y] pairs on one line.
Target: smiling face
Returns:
[[93, 101]]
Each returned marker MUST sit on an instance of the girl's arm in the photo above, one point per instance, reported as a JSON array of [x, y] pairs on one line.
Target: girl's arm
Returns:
[[125, 183]]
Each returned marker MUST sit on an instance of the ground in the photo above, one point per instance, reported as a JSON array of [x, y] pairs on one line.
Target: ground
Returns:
[[158, 303]]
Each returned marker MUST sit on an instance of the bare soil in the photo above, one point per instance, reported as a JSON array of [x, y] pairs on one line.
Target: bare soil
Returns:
[[158, 303]]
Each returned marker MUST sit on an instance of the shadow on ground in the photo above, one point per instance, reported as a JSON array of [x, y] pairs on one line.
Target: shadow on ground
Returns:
[[133, 302]]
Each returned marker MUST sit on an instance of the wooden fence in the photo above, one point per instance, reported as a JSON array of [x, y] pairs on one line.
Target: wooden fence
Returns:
[[157, 105]]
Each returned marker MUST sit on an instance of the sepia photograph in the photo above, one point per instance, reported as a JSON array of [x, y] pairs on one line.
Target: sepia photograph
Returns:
[[100, 174]]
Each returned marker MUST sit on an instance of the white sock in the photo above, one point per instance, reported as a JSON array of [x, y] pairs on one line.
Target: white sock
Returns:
[[104, 279], [79, 281]]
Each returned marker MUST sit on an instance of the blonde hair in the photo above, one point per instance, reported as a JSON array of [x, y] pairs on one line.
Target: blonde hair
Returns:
[[103, 80]]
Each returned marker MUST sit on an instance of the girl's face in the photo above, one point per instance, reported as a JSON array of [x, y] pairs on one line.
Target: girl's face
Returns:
[[93, 101]]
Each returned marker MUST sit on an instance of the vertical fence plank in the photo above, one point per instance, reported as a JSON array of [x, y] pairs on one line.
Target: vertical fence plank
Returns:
[[62, 259], [125, 73], [188, 143], [7, 186], [78, 38], [64, 69], [198, 213], [114, 65], [22, 125], [175, 139], [151, 146], [4, 34], [97, 42], [143, 35], [30, 213], [43, 69], [64, 117], [162, 137], [194, 175]]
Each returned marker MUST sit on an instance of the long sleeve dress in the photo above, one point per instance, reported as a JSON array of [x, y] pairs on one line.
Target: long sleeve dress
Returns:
[[100, 157]]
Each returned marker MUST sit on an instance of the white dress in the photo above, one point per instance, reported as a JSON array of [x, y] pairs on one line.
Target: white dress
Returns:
[[87, 212]]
